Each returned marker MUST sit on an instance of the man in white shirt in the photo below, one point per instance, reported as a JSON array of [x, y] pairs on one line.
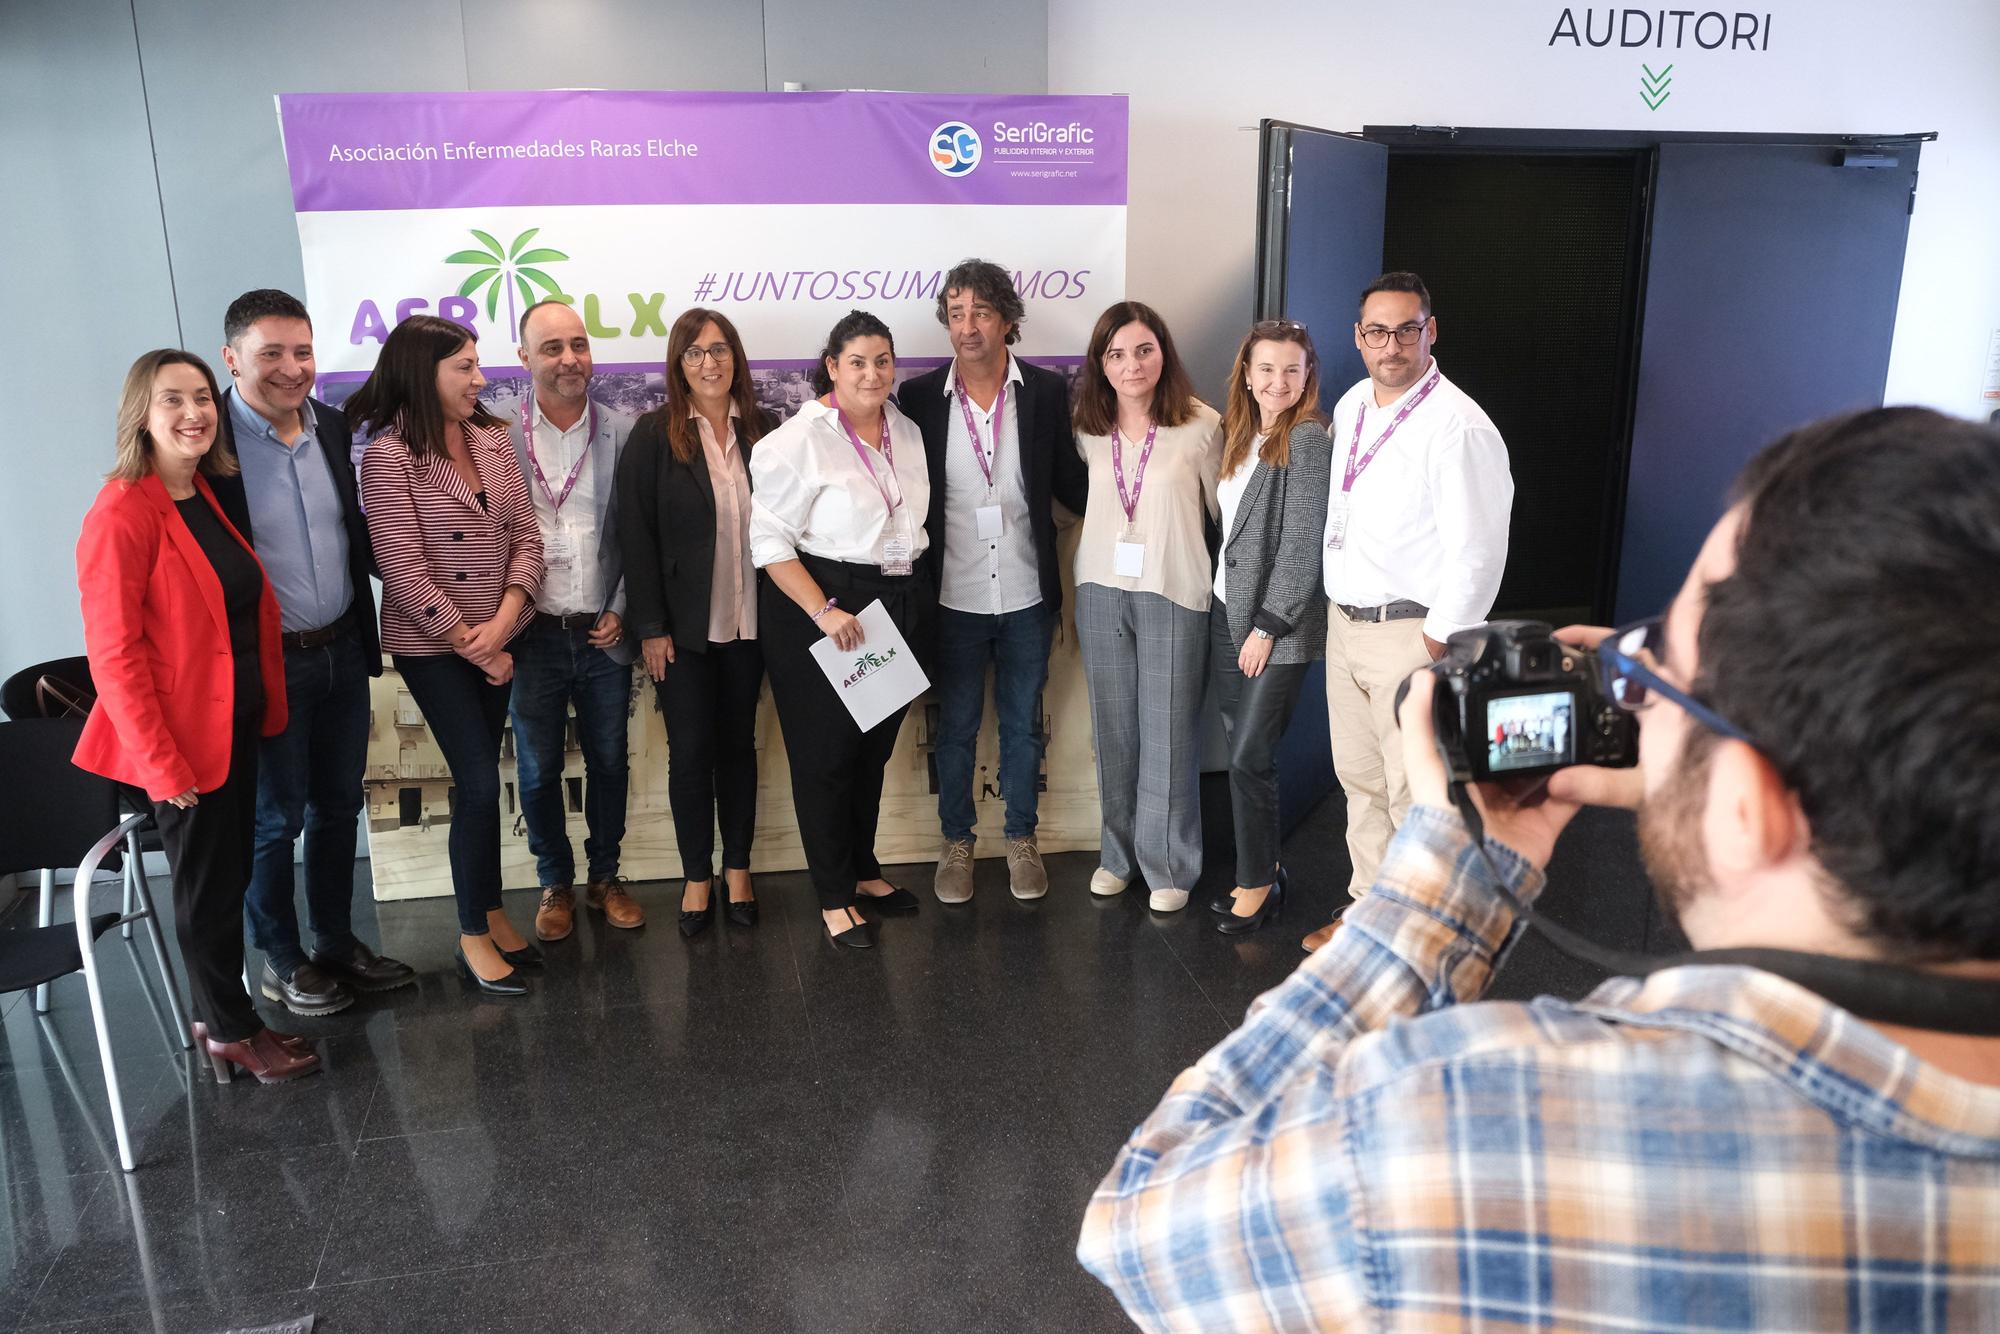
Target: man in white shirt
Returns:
[[574, 651], [1416, 539]]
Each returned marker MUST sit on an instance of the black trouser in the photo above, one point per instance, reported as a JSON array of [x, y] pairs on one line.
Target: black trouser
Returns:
[[709, 700], [466, 718], [209, 847], [1255, 712], [836, 767]]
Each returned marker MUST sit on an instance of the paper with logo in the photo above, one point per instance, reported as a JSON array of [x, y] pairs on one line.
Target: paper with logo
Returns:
[[880, 676]]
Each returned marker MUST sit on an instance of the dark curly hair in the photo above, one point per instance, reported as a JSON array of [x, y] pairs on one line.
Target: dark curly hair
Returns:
[[991, 284]]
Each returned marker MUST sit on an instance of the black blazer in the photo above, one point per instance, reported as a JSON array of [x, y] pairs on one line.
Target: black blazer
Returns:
[[336, 438], [1050, 465], [666, 531]]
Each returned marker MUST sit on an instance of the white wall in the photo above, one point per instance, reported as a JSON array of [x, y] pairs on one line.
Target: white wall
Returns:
[[1202, 75]]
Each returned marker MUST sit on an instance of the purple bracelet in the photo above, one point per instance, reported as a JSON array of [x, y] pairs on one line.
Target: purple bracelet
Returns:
[[831, 603]]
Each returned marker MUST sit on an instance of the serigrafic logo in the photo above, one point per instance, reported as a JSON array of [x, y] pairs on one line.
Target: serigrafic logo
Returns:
[[955, 148]]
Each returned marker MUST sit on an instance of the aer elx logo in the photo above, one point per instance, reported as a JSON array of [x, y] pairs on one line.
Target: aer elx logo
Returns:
[[955, 148]]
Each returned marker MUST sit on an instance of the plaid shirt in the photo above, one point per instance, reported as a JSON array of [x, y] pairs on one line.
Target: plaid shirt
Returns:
[[1709, 1148]]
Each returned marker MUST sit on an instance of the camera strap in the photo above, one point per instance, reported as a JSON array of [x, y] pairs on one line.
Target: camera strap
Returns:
[[1879, 992]]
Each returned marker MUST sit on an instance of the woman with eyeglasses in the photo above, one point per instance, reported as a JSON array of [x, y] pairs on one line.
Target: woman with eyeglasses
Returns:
[[691, 600], [1142, 591], [1267, 623]]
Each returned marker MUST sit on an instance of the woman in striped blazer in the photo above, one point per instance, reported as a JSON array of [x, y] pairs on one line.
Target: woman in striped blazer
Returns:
[[461, 557]]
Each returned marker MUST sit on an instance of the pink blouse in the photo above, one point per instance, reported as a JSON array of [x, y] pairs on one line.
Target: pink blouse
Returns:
[[732, 597]]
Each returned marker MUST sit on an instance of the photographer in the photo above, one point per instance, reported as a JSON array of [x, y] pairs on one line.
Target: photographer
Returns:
[[1710, 1146]]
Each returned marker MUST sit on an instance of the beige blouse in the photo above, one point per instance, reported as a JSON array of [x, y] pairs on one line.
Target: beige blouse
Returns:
[[1179, 485], [732, 596]]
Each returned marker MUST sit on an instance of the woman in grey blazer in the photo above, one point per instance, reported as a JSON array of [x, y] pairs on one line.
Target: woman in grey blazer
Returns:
[[1267, 621]]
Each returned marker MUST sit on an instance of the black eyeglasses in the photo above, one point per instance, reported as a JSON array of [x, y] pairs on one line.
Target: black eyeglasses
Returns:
[[694, 356], [1631, 683], [1406, 335]]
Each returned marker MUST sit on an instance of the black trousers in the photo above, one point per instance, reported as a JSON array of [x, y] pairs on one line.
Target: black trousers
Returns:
[[836, 767], [709, 700], [209, 848], [1255, 712], [467, 718]]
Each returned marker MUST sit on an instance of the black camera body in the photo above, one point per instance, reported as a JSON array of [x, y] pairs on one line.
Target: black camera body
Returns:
[[1513, 700]]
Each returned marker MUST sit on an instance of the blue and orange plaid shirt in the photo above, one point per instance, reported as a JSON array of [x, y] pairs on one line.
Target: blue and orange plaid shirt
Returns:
[[1712, 1148]]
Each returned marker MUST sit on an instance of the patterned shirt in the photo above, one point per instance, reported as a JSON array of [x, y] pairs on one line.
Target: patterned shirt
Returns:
[[1708, 1148]]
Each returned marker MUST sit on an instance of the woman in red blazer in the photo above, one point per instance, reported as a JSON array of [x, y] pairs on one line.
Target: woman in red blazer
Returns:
[[182, 631], [461, 556]]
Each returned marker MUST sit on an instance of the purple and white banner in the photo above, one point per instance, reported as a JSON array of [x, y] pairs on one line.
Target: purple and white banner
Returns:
[[784, 210]]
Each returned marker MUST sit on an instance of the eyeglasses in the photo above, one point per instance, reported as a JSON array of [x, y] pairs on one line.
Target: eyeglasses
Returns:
[[716, 352], [1406, 335], [1277, 326], [1631, 683]]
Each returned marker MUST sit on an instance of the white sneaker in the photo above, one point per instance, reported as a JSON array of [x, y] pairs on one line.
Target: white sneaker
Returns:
[[1168, 900], [1104, 884]]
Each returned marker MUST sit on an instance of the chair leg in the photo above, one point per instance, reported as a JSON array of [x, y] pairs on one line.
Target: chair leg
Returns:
[[125, 1158], [133, 869], [182, 1031], [45, 916]]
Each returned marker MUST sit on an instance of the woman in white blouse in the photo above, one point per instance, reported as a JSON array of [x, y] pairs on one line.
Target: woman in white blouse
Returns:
[[838, 498], [1142, 590]]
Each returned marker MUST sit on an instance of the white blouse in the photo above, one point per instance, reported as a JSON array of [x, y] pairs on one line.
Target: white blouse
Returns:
[[1228, 497], [811, 493]]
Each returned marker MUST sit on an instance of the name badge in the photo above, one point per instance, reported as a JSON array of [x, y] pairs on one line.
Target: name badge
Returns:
[[896, 558], [1336, 524], [1128, 559], [559, 548], [987, 517]]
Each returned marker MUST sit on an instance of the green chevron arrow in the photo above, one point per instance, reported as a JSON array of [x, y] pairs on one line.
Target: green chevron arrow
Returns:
[[1653, 87]]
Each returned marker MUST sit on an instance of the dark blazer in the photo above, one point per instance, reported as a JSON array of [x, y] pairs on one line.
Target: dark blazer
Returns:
[[335, 439], [1050, 465], [666, 526], [1272, 550]]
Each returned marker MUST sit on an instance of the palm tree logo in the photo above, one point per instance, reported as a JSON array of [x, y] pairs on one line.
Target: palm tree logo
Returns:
[[508, 268]]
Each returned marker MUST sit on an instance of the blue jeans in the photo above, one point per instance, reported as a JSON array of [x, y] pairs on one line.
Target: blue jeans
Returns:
[[1017, 644], [309, 780], [554, 667]]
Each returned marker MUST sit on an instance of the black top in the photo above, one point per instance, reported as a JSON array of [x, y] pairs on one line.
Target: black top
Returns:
[[242, 589]]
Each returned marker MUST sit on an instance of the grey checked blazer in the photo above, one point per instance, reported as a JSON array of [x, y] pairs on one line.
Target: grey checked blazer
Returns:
[[1272, 551]]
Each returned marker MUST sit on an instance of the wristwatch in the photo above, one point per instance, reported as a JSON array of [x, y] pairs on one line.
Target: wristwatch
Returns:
[[1262, 633]]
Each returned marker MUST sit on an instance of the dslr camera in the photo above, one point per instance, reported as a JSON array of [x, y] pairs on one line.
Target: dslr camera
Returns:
[[1512, 700]]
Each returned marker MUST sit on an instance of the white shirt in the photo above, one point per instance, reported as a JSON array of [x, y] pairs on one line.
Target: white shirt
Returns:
[[1228, 496], [1427, 519], [578, 587], [810, 492], [987, 575]]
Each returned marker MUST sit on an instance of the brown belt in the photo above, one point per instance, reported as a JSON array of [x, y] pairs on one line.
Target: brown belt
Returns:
[[321, 637]]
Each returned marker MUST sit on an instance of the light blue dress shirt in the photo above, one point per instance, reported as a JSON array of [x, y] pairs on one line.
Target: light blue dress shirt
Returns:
[[295, 517]]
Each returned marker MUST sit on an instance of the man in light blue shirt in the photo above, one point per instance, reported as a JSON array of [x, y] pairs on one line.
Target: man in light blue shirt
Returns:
[[295, 500]]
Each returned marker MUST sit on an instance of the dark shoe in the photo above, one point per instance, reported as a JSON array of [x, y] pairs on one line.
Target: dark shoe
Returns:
[[1222, 905], [261, 1054], [364, 970], [895, 901], [742, 913], [555, 917], [694, 922], [528, 956], [290, 1041], [856, 937], [1270, 910], [307, 991], [511, 985]]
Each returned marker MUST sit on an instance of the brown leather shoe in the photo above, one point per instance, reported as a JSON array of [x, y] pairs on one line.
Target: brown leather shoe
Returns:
[[555, 917], [1319, 938], [261, 1054], [616, 903]]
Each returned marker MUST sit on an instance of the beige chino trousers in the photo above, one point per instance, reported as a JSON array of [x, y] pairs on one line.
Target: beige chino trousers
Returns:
[[1365, 662]]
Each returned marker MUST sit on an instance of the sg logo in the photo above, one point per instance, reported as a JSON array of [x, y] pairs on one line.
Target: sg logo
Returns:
[[955, 148]]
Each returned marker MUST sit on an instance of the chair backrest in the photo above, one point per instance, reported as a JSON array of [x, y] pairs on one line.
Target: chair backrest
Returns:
[[51, 812], [68, 679]]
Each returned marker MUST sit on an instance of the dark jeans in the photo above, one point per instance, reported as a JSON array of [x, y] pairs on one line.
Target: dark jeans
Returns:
[[1255, 712], [709, 700], [1017, 645], [309, 779], [208, 854], [554, 667], [466, 717]]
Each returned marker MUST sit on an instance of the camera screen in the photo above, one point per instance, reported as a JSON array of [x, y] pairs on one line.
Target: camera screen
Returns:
[[1530, 731]]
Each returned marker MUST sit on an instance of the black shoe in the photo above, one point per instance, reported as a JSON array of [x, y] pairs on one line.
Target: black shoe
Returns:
[[307, 991], [856, 937], [1270, 910], [511, 985], [528, 956], [363, 969], [694, 923], [1223, 904], [741, 914], [895, 901]]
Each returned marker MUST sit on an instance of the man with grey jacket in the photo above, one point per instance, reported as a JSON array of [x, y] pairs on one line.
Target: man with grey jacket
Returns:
[[574, 651]]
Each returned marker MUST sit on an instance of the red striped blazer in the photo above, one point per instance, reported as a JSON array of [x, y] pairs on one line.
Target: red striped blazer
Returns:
[[443, 558]]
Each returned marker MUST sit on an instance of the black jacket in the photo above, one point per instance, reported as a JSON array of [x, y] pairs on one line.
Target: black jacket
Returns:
[[1050, 465], [667, 531], [336, 439]]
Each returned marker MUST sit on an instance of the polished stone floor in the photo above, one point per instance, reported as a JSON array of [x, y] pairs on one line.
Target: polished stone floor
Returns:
[[754, 1132]]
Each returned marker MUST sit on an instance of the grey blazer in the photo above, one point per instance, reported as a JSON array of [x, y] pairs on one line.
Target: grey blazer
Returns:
[[605, 447], [1272, 551]]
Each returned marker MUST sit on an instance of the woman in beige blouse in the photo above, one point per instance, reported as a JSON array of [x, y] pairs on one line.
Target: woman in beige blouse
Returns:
[[1142, 590]]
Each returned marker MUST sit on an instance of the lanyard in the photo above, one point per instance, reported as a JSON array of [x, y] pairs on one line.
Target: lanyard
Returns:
[[528, 431], [1414, 402], [1131, 501], [965, 407], [860, 449]]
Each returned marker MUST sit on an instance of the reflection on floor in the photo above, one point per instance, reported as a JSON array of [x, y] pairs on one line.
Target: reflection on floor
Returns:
[[753, 1131]]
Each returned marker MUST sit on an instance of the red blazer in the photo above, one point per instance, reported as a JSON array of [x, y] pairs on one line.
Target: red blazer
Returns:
[[158, 639]]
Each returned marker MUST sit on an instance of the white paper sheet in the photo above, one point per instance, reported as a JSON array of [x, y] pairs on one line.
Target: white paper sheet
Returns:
[[878, 677]]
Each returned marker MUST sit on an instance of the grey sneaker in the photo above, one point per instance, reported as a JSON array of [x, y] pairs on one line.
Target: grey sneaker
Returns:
[[954, 871], [1025, 873]]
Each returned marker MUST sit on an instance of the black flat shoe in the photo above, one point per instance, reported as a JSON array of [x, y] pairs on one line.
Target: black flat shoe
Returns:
[[895, 901], [741, 914], [511, 985], [1270, 910], [528, 956], [856, 937]]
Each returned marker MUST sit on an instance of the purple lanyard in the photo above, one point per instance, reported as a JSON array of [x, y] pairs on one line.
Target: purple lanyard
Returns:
[[965, 407], [1416, 400], [1131, 502], [528, 430], [887, 453]]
